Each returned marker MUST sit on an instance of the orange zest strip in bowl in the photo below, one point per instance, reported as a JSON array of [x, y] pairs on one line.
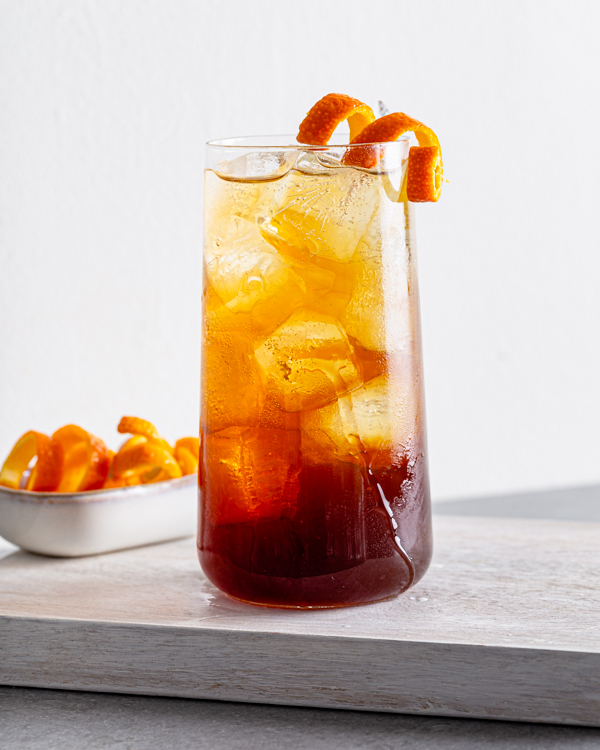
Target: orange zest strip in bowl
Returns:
[[191, 443], [135, 440], [189, 464], [45, 475], [425, 160], [137, 426], [187, 453], [86, 460], [143, 428], [323, 118], [145, 460]]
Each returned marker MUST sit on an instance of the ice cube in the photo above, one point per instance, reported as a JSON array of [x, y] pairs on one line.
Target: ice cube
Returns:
[[332, 303], [333, 298], [225, 201], [379, 416], [317, 280], [378, 410], [249, 276], [251, 473], [322, 214], [329, 433], [233, 393], [273, 417], [258, 165], [217, 318], [378, 313], [319, 162], [308, 361]]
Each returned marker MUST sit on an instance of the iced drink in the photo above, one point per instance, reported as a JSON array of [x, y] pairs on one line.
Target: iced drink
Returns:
[[313, 470]]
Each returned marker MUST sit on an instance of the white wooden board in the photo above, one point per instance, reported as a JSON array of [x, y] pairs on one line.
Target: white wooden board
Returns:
[[505, 625]]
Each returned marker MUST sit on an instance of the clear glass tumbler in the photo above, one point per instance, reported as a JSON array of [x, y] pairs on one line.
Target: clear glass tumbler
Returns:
[[313, 471]]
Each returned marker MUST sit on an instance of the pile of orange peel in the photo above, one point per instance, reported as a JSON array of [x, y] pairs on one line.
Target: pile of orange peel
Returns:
[[73, 460], [424, 174]]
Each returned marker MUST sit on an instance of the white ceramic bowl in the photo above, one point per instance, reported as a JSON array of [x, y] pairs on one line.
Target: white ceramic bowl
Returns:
[[75, 524]]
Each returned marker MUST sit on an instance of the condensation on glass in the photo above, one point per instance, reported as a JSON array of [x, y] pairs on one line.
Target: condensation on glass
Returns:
[[313, 472]]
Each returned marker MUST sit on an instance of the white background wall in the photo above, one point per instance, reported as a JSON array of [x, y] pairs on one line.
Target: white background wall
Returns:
[[104, 109]]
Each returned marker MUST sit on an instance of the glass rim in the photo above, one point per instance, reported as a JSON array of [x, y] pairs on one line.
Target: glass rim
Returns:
[[246, 143]]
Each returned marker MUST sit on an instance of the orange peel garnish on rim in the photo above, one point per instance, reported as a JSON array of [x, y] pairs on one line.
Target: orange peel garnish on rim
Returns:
[[45, 475], [424, 175], [323, 118], [86, 459], [425, 169]]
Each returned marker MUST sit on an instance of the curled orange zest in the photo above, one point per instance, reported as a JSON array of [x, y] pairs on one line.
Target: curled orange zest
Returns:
[[185, 458], [137, 426], [191, 443], [145, 460], [424, 175], [45, 475], [187, 453], [323, 118], [425, 169], [86, 460], [73, 460], [135, 440]]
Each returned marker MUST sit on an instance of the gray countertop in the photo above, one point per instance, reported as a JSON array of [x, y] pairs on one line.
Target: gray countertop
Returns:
[[56, 720], [50, 719]]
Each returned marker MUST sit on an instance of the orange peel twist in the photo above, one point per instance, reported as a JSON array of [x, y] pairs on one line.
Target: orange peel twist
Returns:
[[73, 460], [137, 426], [425, 169], [187, 453], [323, 118], [45, 475], [86, 459], [146, 460]]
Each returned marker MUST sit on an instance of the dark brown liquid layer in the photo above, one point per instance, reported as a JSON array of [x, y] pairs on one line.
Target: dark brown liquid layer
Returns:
[[353, 535]]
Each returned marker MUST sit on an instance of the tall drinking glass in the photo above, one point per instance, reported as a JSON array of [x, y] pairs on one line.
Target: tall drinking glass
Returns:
[[313, 471]]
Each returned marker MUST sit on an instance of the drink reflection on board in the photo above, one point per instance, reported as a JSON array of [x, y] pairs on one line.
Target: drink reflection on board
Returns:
[[313, 470]]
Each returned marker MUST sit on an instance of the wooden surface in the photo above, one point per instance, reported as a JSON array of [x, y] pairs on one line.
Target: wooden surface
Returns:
[[505, 625]]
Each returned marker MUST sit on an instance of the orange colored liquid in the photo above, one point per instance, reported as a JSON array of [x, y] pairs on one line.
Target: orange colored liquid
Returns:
[[314, 487]]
